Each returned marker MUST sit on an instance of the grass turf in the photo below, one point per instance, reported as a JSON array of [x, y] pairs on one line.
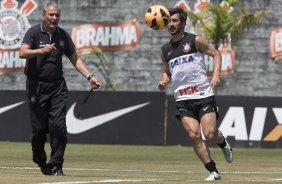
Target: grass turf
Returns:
[[139, 164]]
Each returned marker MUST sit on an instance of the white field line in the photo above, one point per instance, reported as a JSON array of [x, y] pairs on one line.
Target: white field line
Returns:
[[104, 181], [279, 179], [144, 180], [150, 171]]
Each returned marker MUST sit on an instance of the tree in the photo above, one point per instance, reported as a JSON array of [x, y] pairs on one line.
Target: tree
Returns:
[[218, 21], [103, 66]]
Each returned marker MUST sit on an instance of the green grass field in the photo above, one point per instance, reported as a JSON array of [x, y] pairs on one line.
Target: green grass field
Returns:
[[86, 164]]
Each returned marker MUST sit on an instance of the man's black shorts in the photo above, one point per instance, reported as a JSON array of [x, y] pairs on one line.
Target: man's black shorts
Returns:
[[196, 108]]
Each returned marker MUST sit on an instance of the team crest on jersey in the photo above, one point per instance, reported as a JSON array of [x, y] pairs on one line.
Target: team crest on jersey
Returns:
[[186, 47]]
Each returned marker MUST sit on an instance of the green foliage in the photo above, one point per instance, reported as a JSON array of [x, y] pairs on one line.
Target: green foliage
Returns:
[[216, 22], [103, 66]]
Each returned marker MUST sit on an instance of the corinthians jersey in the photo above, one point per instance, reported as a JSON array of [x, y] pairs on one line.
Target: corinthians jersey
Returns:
[[187, 68]]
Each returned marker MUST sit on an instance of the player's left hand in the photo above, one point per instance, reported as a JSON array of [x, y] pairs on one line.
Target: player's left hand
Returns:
[[215, 81]]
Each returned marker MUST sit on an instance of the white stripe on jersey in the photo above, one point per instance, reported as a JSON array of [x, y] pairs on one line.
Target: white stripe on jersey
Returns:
[[189, 77]]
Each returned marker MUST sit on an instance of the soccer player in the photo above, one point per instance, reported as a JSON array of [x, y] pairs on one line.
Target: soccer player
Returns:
[[43, 46], [184, 66]]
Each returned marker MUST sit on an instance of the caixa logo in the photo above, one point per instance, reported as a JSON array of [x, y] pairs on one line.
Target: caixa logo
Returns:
[[234, 124]]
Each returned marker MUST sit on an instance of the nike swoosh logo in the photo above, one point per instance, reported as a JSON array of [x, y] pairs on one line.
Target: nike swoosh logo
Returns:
[[205, 108], [169, 53], [76, 126], [8, 107]]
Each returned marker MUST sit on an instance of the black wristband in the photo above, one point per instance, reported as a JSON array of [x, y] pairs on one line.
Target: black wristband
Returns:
[[89, 76]]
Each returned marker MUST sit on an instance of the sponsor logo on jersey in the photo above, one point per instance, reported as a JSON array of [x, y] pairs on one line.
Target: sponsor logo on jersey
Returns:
[[188, 91], [181, 60]]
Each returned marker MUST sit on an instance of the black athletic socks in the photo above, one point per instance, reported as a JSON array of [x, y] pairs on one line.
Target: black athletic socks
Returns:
[[222, 145], [211, 166]]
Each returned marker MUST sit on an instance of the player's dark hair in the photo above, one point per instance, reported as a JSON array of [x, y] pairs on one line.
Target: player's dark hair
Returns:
[[181, 12]]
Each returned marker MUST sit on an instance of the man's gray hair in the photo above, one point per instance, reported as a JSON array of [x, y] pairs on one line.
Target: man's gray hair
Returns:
[[49, 3]]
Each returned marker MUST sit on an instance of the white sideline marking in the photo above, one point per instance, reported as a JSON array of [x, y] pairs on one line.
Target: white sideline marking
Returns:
[[100, 181], [280, 179], [140, 180], [150, 171]]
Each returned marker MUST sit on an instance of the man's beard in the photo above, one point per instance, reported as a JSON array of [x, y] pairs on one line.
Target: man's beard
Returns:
[[176, 31]]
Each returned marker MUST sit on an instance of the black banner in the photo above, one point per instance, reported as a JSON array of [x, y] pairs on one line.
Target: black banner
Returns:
[[146, 118], [117, 118], [245, 121], [107, 117], [14, 116]]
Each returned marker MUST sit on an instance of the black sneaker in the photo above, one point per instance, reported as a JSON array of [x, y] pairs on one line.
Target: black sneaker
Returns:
[[46, 169], [57, 171]]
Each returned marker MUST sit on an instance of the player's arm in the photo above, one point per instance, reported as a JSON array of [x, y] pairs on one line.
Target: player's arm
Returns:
[[206, 48], [81, 67], [26, 52], [166, 75]]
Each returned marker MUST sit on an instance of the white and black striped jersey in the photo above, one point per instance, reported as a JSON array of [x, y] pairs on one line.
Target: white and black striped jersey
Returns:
[[188, 69]]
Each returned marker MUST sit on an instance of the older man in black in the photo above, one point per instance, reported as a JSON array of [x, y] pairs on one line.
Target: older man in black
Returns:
[[43, 47]]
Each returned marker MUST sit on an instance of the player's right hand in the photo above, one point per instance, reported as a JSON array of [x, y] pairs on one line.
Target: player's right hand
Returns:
[[48, 48], [95, 83], [162, 85]]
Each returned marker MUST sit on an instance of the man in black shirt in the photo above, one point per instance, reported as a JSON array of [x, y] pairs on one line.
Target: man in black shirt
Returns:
[[43, 46]]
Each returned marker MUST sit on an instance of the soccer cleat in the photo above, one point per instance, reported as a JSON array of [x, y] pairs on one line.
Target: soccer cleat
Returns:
[[57, 171], [46, 169], [227, 152], [213, 176]]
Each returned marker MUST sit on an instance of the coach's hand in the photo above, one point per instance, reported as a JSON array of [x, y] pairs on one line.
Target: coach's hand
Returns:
[[94, 83], [48, 48]]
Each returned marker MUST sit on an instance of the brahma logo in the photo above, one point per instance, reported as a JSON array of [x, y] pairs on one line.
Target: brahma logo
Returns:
[[107, 37], [13, 25], [275, 44]]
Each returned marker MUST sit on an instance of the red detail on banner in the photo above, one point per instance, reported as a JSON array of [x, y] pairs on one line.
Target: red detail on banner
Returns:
[[107, 36], [201, 5], [9, 4], [275, 44], [28, 7], [182, 4], [10, 61]]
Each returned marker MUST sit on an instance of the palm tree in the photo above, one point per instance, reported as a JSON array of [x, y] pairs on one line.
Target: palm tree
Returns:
[[216, 22]]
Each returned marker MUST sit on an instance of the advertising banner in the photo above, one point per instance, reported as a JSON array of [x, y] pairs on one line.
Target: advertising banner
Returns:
[[13, 25], [106, 118], [141, 118], [106, 36], [117, 118], [275, 44], [244, 121]]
